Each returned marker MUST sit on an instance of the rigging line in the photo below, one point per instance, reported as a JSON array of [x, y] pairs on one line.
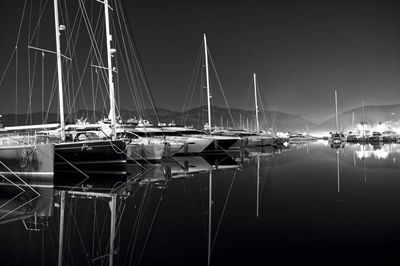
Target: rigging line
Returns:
[[116, 230], [72, 215], [222, 90], [139, 61], [202, 77], [94, 223], [223, 210], [140, 103], [121, 213], [73, 45], [52, 93], [146, 202], [20, 24], [79, 87], [265, 109], [16, 85], [129, 72], [16, 63], [133, 84], [248, 95], [76, 168], [203, 205], [135, 229], [145, 211], [152, 224], [93, 94], [117, 78], [196, 79], [10, 200], [192, 85], [29, 65], [37, 27], [92, 36], [19, 178], [191, 82], [92, 54], [31, 85], [117, 89], [8, 65], [91, 72], [42, 109]]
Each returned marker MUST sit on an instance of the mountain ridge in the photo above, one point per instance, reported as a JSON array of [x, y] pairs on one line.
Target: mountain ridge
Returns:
[[197, 117]]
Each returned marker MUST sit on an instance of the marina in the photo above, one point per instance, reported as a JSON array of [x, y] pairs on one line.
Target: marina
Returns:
[[121, 144], [258, 198]]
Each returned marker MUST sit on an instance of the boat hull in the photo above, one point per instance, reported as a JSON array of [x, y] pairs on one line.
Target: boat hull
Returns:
[[221, 143], [193, 144], [36, 161], [145, 152], [90, 152], [259, 141]]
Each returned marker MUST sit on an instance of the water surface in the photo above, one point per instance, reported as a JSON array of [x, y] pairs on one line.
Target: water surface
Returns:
[[306, 204]]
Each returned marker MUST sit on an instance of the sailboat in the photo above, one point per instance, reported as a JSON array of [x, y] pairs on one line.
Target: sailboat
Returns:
[[352, 137], [363, 138], [69, 150], [260, 138], [172, 134], [219, 142], [337, 137]]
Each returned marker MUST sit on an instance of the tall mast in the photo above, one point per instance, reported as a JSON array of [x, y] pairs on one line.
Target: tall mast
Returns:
[[255, 99], [352, 122], [209, 216], [59, 71], [112, 203], [336, 113], [110, 69], [61, 232], [258, 186], [207, 81], [338, 170], [363, 133]]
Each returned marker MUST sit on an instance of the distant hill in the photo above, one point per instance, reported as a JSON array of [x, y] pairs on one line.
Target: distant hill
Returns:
[[196, 117], [372, 114]]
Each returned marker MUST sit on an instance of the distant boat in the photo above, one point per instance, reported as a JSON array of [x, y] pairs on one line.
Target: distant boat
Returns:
[[251, 138], [363, 138], [300, 137], [376, 137]]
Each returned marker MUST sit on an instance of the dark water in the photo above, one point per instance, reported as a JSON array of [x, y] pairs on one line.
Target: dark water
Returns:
[[286, 206]]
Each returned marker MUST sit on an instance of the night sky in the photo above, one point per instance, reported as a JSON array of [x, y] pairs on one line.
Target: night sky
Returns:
[[301, 51]]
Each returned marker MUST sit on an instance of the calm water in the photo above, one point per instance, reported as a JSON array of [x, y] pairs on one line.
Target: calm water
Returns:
[[307, 204]]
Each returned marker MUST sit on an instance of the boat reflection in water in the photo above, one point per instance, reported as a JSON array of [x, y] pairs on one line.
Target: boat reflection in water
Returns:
[[28, 201], [116, 196]]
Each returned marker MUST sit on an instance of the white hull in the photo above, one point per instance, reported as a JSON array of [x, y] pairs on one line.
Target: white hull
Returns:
[[191, 144], [27, 160], [148, 151], [259, 141]]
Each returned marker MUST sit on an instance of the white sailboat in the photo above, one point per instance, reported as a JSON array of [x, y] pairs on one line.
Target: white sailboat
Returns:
[[337, 137], [219, 142], [260, 138]]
